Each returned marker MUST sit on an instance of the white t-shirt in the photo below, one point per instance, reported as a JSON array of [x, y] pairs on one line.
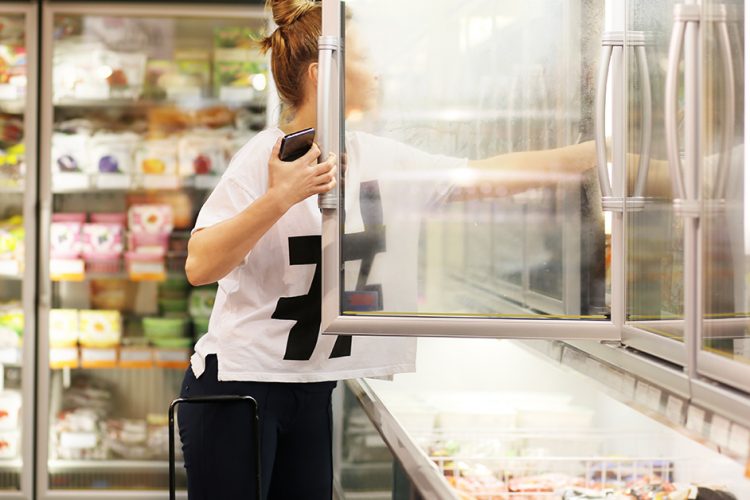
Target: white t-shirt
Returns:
[[265, 324]]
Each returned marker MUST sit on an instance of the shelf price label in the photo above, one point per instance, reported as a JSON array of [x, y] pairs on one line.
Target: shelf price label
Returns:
[[147, 270], [172, 358], [67, 270], [70, 181], [113, 181], [92, 357], [63, 357], [696, 419], [153, 181], [136, 357], [10, 268], [739, 440]]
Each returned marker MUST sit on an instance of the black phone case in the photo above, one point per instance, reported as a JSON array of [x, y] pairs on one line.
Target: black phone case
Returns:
[[296, 144]]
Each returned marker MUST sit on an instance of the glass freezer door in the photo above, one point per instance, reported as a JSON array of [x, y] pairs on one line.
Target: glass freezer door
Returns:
[[724, 347], [143, 107], [17, 245], [469, 202]]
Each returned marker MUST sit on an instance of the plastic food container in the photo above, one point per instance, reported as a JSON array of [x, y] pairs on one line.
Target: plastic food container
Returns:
[[100, 328], [65, 240], [10, 406], [146, 243], [110, 218], [173, 305], [103, 263], [79, 217], [101, 239], [151, 218], [172, 343], [157, 327]]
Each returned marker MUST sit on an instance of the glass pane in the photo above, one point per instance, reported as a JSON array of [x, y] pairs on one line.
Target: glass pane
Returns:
[[147, 113], [655, 233], [13, 81], [726, 233], [470, 185]]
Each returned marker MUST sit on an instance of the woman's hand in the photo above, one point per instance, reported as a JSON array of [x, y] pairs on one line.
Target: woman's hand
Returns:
[[294, 181]]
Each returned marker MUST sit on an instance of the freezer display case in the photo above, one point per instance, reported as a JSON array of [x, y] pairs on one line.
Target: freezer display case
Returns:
[[470, 189], [488, 434], [17, 245], [142, 109]]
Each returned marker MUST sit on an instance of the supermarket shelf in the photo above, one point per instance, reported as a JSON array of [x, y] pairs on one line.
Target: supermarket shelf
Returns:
[[78, 183], [96, 465], [189, 103], [12, 464]]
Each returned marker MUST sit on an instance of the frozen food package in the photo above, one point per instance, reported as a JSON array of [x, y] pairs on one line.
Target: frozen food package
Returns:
[[113, 152], [70, 153], [12, 69], [100, 328], [151, 219], [12, 235], [65, 240], [157, 157], [202, 153], [124, 73], [109, 293], [10, 406], [63, 327], [102, 239], [9, 443], [78, 71]]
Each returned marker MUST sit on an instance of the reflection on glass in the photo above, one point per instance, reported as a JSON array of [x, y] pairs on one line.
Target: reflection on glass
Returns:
[[655, 233], [467, 140], [726, 298], [147, 114], [13, 81]]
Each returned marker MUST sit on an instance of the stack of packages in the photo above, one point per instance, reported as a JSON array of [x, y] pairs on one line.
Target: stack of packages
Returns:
[[79, 426], [170, 328], [150, 226], [99, 242], [138, 439]]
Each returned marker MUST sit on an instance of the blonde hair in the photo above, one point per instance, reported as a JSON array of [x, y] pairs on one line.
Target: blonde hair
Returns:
[[293, 45]]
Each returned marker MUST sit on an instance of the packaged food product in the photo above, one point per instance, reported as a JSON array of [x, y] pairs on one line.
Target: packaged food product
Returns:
[[9, 443], [101, 239], [202, 301], [236, 64], [10, 406], [110, 218], [159, 328], [202, 153], [109, 294], [157, 157], [150, 219], [147, 243], [180, 202], [144, 266], [113, 153], [70, 153], [12, 235], [100, 328], [65, 240], [79, 217], [63, 328]]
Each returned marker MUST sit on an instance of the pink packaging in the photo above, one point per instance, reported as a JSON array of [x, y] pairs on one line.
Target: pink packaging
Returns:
[[152, 244], [65, 240], [79, 217], [99, 238], [110, 218], [104, 263], [152, 219]]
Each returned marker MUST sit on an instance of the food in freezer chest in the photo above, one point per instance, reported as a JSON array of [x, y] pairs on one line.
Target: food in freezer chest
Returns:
[[150, 219], [63, 328], [100, 328]]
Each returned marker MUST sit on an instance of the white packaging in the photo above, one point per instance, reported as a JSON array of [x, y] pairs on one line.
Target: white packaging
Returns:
[[202, 153], [9, 443], [70, 153], [10, 407], [157, 157], [113, 153]]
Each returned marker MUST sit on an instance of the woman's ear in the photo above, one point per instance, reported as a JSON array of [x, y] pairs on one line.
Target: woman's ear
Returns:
[[312, 73]]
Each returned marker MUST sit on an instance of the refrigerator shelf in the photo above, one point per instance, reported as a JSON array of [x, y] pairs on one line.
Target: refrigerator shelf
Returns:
[[87, 358], [77, 183], [13, 106], [77, 465], [131, 104]]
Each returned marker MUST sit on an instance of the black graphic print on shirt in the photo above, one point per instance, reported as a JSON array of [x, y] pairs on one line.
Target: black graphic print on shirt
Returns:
[[306, 250]]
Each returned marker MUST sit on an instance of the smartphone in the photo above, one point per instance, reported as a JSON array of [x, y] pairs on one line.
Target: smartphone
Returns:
[[296, 144]]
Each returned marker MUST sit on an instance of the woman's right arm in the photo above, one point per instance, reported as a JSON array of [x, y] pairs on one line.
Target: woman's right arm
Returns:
[[213, 252]]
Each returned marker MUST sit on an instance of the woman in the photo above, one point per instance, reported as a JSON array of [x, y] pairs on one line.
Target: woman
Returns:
[[258, 235]]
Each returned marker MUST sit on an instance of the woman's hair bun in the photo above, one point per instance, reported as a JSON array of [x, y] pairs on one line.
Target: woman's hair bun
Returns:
[[285, 12]]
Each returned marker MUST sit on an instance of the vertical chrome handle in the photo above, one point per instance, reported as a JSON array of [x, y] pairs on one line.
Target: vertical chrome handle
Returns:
[[725, 156], [670, 118], [329, 48], [646, 122], [600, 117]]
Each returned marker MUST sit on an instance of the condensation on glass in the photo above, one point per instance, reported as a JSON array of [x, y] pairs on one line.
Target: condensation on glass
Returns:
[[430, 228]]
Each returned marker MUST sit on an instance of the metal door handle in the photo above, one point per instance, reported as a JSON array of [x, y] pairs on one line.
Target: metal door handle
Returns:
[[601, 105], [646, 121], [725, 156], [670, 118], [329, 47]]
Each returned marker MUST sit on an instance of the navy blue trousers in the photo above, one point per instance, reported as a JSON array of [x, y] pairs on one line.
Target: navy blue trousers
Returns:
[[295, 439]]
